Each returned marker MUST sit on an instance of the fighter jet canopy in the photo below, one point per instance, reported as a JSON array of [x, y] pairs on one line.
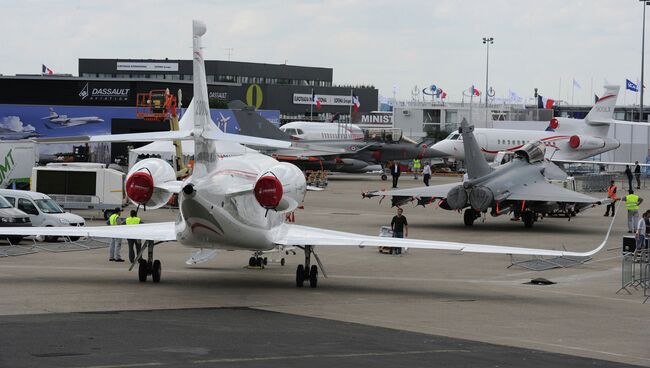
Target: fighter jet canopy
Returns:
[[532, 152]]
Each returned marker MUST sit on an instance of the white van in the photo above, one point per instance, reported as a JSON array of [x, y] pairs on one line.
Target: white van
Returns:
[[42, 210]]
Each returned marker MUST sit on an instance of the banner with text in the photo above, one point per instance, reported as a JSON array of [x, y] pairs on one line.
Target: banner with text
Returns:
[[305, 99], [146, 67]]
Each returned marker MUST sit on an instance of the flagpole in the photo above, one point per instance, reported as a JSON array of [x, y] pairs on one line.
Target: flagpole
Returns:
[[311, 108], [559, 90], [573, 90], [351, 103]]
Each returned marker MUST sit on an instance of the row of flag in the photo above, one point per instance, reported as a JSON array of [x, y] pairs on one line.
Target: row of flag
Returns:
[[316, 101]]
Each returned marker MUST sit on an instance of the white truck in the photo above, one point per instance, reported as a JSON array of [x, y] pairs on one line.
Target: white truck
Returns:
[[16, 162], [81, 185]]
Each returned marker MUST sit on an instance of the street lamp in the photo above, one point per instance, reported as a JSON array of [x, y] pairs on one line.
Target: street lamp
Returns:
[[487, 41]]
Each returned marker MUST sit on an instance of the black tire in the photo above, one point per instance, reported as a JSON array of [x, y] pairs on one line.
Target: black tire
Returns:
[[469, 216], [142, 271], [384, 177], [390, 251], [300, 276], [528, 218], [258, 262], [251, 262], [156, 271], [282, 262], [265, 261], [15, 239], [313, 276], [74, 238]]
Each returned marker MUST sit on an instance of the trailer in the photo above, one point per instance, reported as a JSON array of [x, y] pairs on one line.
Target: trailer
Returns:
[[16, 162], [81, 185]]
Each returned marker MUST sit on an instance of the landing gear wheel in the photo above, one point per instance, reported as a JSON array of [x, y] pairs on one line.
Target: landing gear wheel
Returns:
[[251, 262], [313, 276], [156, 271], [469, 216], [265, 261], [528, 218], [143, 271], [384, 177], [15, 239], [282, 262], [300, 276], [258, 262]]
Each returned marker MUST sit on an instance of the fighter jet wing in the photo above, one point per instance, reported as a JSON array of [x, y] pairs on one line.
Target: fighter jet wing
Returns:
[[547, 192], [434, 191], [161, 231], [298, 235]]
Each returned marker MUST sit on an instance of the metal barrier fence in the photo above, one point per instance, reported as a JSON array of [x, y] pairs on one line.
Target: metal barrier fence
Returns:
[[595, 182], [635, 273]]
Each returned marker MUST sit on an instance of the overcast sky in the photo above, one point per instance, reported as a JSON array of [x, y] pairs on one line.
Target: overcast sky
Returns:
[[383, 43]]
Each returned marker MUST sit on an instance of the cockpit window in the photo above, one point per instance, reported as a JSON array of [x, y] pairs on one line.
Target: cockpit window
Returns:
[[453, 136]]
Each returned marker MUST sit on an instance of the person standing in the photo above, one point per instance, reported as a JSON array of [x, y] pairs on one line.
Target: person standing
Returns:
[[637, 174], [611, 194], [640, 234], [416, 167], [116, 243], [632, 202], [400, 228], [426, 173], [628, 173], [395, 172], [133, 219]]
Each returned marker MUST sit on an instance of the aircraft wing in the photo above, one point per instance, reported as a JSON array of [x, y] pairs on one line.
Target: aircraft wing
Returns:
[[298, 235], [161, 231], [614, 163], [434, 191], [548, 192]]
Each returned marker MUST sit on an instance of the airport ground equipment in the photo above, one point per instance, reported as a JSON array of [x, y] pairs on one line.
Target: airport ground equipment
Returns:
[[79, 185]]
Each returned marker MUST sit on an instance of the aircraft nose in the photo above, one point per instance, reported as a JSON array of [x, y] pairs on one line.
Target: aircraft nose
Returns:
[[443, 148]]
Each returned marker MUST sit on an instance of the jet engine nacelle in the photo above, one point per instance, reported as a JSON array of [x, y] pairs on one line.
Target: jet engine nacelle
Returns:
[[281, 188], [352, 165], [457, 198], [585, 142], [481, 198], [143, 182]]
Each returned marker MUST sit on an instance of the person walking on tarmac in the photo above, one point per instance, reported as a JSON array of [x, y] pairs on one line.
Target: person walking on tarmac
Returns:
[[400, 228], [133, 219], [426, 173], [637, 174], [611, 194], [632, 202], [628, 174], [416, 168], [395, 172], [116, 243]]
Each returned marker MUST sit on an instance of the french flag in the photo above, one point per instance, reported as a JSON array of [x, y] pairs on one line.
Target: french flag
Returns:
[[355, 102], [475, 91], [46, 70], [315, 100], [544, 103]]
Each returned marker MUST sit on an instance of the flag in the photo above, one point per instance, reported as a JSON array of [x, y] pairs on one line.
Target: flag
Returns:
[[315, 100], [46, 70], [544, 103], [631, 86], [443, 94], [575, 84], [474, 91], [355, 102]]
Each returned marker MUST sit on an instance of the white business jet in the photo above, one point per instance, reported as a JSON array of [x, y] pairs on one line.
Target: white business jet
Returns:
[[236, 198]]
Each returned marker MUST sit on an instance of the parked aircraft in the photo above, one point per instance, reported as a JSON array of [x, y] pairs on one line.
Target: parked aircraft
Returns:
[[63, 121], [329, 153], [520, 186], [235, 199], [565, 138]]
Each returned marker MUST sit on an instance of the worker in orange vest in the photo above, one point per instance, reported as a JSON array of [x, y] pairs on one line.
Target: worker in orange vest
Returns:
[[611, 194]]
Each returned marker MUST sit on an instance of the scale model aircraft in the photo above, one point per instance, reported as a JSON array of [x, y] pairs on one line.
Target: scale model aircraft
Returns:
[[520, 186], [235, 199]]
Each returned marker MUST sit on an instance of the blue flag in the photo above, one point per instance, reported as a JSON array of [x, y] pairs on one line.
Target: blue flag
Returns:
[[631, 86]]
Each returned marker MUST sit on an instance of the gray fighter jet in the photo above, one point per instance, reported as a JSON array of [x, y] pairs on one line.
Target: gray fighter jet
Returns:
[[521, 187], [342, 156]]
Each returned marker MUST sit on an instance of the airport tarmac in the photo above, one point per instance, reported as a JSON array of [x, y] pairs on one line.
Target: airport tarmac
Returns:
[[443, 294]]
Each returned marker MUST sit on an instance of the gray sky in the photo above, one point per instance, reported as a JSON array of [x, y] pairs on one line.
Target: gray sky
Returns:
[[383, 43]]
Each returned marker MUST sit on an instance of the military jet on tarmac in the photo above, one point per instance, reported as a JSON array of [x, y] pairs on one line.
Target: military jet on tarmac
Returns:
[[346, 155], [235, 199], [521, 186]]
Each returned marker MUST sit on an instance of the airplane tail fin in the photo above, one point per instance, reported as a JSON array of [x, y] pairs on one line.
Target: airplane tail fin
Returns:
[[603, 111], [475, 162], [53, 113]]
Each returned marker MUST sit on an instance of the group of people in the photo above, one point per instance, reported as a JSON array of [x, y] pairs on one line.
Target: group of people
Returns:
[[396, 171], [636, 175], [116, 244], [640, 226]]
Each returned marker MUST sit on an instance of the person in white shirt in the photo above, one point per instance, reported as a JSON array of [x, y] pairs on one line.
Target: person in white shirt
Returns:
[[640, 234], [426, 173]]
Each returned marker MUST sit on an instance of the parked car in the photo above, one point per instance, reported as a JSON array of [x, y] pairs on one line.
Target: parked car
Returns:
[[10, 216], [42, 210]]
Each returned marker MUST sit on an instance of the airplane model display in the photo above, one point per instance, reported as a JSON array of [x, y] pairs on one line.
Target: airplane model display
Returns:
[[235, 199], [328, 153], [63, 121], [565, 138], [520, 186]]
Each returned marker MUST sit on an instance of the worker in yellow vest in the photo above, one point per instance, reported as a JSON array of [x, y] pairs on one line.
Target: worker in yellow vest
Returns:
[[632, 202], [416, 167], [116, 243], [133, 219]]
